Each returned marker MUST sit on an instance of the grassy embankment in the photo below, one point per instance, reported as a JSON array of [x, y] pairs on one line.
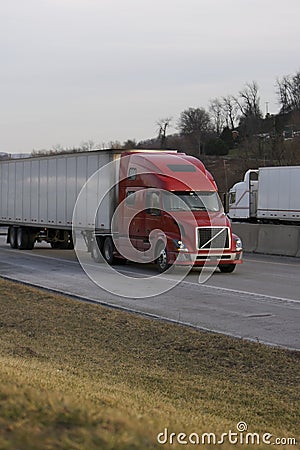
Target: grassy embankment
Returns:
[[80, 376]]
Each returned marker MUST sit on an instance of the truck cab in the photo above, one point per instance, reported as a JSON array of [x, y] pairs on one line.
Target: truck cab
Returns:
[[243, 197], [170, 213]]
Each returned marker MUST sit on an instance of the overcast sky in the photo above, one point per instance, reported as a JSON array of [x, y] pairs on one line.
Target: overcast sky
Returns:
[[106, 70]]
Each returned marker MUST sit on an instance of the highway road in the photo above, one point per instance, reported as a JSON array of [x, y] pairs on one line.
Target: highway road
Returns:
[[260, 301]]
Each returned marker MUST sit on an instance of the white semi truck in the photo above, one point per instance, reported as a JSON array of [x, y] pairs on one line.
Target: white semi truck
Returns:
[[267, 194]]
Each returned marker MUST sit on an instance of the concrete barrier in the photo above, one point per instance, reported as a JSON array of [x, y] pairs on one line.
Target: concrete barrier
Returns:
[[269, 239], [278, 240], [248, 233]]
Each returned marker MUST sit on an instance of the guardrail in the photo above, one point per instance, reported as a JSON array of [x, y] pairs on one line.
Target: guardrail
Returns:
[[269, 239]]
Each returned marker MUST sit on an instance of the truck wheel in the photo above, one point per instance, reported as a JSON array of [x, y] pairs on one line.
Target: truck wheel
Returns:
[[95, 252], [12, 237], [162, 259], [31, 239], [22, 238], [120, 261], [108, 251], [227, 268]]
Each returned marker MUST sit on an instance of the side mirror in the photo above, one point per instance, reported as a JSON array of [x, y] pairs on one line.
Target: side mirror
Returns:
[[226, 202]]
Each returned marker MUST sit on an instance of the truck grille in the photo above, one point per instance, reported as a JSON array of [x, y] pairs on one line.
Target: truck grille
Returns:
[[214, 238]]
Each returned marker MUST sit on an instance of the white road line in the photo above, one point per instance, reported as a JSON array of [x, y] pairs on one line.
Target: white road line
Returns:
[[151, 315], [124, 271], [273, 262], [237, 291]]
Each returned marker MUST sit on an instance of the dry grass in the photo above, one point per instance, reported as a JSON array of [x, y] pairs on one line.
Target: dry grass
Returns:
[[80, 376]]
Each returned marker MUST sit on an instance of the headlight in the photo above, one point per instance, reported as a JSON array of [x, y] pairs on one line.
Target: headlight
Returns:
[[238, 244], [180, 246]]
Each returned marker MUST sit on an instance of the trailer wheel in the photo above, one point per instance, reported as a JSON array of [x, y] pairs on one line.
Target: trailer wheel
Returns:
[[12, 237], [31, 239], [22, 238], [227, 268], [162, 259], [108, 251]]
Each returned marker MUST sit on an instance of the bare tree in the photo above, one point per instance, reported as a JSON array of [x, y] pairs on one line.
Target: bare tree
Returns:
[[248, 100], [163, 124], [114, 145], [129, 144], [195, 123], [87, 146], [230, 109], [57, 148], [288, 92], [217, 114]]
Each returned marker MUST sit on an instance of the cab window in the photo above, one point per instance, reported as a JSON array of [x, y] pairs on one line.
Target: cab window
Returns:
[[153, 203], [130, 198]]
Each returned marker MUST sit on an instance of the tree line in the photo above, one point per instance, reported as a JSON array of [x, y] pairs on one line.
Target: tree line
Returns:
[[234, 123]]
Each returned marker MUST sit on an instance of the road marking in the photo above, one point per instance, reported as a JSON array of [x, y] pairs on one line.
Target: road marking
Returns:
[[237, 291], [151, 315], [272, 262], [124, 271]]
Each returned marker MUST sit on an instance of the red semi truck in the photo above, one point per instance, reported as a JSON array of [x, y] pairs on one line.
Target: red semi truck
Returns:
[[160, 206]]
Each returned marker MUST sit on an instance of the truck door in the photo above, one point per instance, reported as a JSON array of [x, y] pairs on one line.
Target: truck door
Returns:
[[153, 216], [253, 188], [133, 216]]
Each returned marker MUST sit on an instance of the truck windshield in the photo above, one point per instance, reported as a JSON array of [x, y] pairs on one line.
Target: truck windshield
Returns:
[[193, 201]]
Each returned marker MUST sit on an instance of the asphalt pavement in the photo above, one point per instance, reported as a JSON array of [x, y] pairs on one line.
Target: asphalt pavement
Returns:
[[260, 301]]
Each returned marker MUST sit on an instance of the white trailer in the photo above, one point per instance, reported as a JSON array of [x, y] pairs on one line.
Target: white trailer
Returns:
[[38, 195], [269, 194]]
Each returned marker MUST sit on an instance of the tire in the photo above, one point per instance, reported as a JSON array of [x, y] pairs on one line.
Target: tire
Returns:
[[22, 238], [95, 252], [31, 239], [120, 261], [108, 251], [227, 268], [162, 259], [12, 237]]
